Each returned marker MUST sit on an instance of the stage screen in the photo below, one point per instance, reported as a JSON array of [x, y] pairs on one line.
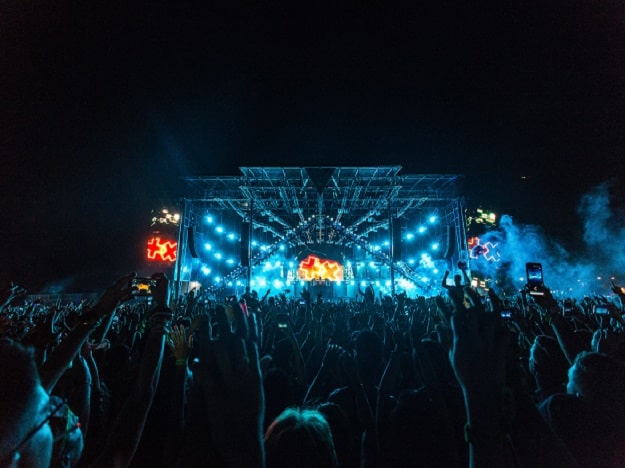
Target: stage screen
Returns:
[[322, 263]]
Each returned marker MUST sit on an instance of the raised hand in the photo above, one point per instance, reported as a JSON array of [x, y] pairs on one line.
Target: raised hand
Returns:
[[477, 354], [230, 378], [8, 292], [179, 343]]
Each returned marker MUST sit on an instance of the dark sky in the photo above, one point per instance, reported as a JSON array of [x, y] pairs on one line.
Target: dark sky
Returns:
[[105, 107]]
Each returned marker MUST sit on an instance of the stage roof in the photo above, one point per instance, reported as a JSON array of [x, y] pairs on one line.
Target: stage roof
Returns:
[[358, 198]]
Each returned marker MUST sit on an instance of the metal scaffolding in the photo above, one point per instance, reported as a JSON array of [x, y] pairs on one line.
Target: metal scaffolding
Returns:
[[338, 205]]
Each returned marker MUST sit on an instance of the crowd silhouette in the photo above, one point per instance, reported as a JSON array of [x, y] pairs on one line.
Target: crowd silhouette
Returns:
[[463, 378]]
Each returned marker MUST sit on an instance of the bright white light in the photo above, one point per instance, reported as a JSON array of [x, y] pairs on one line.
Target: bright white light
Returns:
[[277, 264], [219, 229], [411, 261], [387, 243], [339, 282], [435, 271], [353, 282], [278, 284], [291, 264], [209, 219], [282, 248], [388, 283], [262, 282], [363, 283], [435, 246], [208, 246], [206, 270], [372, 264], [217, 279], [410, 236], [231, 236], [426, 261], [302, 283], [421, 229], [230, 261], [432, 219], [254, 243], [218, 256], [194, 285], [229, 283]]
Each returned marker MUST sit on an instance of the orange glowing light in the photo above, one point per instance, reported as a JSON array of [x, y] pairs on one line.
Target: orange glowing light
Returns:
[[315, 268], [162, 250]]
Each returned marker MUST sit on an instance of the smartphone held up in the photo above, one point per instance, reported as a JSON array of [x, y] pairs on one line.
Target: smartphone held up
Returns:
[[534, 277], [143, 286]]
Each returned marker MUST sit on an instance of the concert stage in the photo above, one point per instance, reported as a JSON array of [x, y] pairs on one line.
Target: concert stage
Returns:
[[335, 228]]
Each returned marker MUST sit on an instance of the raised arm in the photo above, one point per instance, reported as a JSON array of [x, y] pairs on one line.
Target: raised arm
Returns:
[[128, 428], [57, 362]]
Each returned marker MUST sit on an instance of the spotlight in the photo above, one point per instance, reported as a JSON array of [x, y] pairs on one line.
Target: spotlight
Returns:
[[432, 219], [421, 229]]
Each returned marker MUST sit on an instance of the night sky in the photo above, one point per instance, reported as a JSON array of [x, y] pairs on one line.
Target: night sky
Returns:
[[105, 107]]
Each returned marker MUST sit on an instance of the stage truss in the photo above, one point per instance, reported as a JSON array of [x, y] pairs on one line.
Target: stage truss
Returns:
[[302, 206]]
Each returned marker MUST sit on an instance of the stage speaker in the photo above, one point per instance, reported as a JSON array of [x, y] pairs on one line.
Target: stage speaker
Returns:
[[245, 244], [450, 246], [191, 241], [397, 244]]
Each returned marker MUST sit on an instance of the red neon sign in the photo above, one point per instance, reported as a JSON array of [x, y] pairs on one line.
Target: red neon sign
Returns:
[[162, 250], [315, 268]]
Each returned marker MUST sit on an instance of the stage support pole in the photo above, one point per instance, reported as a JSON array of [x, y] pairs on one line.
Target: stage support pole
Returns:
[[250, 228], [391, 226], [180, 252]]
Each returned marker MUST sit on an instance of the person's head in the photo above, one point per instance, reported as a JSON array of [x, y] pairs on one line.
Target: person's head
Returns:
[[599, 379], [458, 280], [300, 438], [25, 433]]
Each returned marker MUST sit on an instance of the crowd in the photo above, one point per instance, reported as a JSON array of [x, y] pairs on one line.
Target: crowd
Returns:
[[454, 380]]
